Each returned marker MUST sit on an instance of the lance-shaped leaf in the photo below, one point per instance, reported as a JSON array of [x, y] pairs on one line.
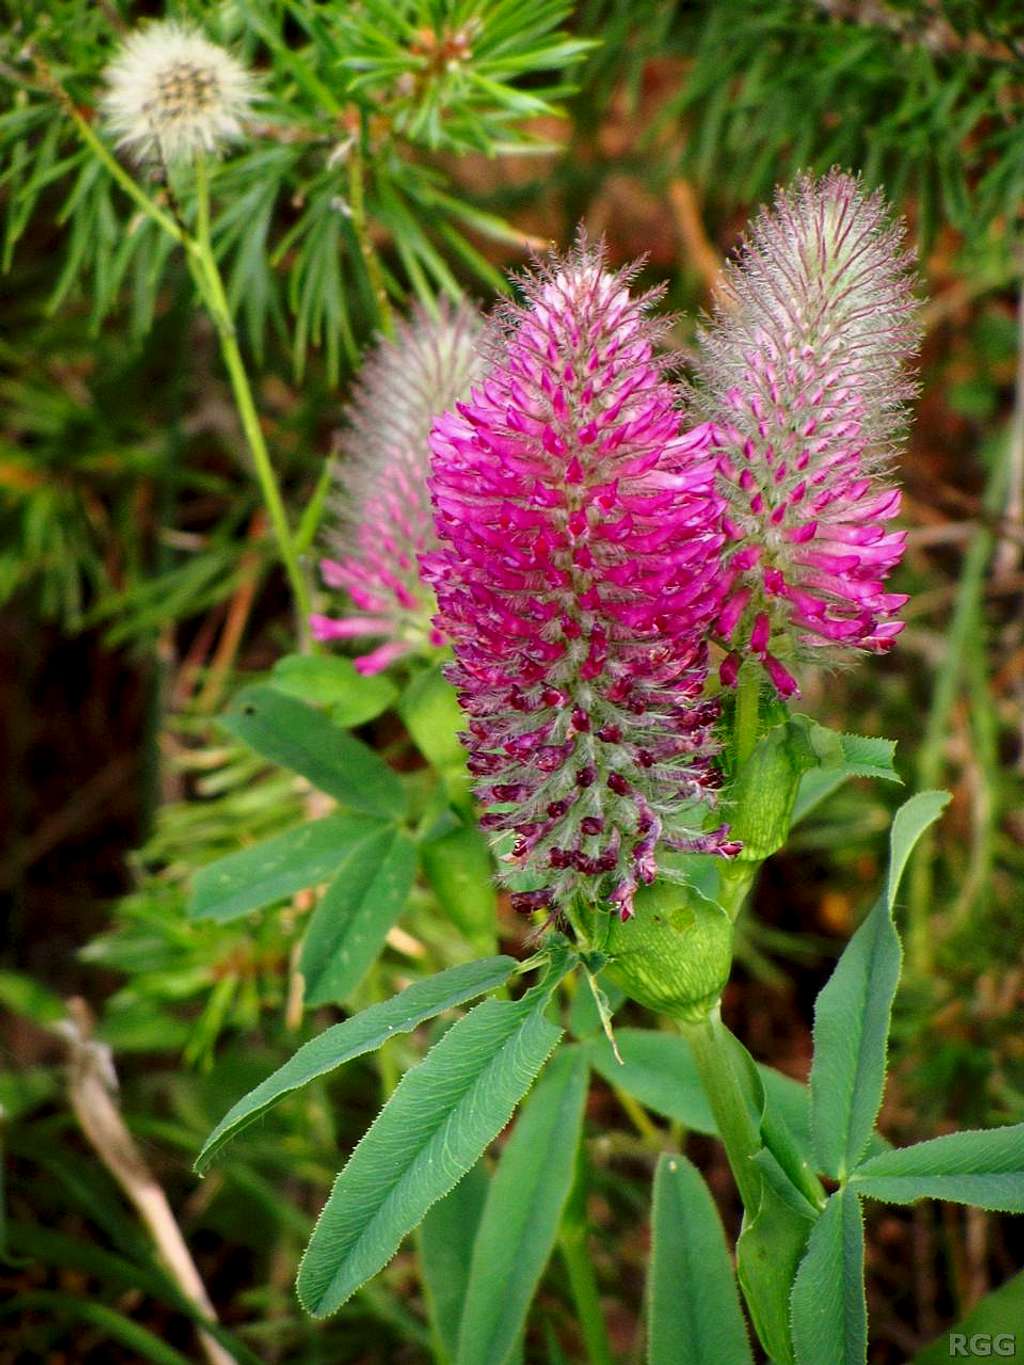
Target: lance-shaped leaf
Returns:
[[694, 1315], [446, 1238], [364, 1032], [851, 1017], [441, 1117], [830, 1320], [351, 922], [278, 867], [524, 1207], [984, 1168], [297, 736]]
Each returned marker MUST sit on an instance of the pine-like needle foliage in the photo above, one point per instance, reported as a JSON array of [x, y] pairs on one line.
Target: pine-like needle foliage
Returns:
[[338, 154]]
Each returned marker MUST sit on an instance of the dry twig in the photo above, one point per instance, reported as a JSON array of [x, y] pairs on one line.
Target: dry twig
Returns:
[[91, 1084]]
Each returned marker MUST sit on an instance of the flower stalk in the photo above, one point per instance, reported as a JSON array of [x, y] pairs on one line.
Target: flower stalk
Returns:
[[192, 145], [211, 287], [715, 1059]]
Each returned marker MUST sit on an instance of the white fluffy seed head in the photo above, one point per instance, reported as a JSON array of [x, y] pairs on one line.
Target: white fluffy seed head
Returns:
[[172, 93]]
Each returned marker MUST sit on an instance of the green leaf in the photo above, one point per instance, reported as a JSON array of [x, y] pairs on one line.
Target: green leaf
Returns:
[[658, 1070], [297, 736], [869, 756], [352, 919], [830, 1321], [441, 1117], [330, 681], [999, 1316], [842, 757], [363, 1033], [852, 1013], [460, 869], [984, 1168], [778, 1217], [446, 1238], [694, 1314], [267, 872], [22, 995], [768, 1252], [524, 1208], [433, 718]]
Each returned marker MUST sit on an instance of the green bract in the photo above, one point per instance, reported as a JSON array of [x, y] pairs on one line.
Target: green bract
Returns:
[[674, 956]]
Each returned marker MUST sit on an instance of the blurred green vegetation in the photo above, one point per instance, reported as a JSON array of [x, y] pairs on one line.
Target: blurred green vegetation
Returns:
[[138, 587]]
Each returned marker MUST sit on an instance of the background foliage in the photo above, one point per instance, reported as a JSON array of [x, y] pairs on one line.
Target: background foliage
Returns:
[[138, 588]]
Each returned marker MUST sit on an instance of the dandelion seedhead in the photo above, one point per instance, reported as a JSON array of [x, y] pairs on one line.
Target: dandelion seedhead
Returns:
[[172, 93], [803, 377], [384, 522], [576, 578]]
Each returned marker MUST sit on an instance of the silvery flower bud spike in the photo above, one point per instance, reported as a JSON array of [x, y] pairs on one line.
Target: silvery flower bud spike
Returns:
[[383, 517], [803, 376]]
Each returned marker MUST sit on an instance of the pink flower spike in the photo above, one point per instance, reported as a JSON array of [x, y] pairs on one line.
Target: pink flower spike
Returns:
[[803, 378], [383, 519], [577, 578]]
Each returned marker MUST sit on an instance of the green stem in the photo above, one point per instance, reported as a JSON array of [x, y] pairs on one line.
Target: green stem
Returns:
[[748, 704], [736, 878], [114, 168], [583, 1283], [205, 272], [211, 287], [650, 1132], [716, 1065]]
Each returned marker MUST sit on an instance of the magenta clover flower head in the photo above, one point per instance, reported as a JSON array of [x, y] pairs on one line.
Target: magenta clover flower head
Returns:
[[803, 376], [384, 521], [577, 576]]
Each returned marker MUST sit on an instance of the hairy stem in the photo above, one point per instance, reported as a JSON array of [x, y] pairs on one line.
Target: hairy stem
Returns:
[[716, 1064]]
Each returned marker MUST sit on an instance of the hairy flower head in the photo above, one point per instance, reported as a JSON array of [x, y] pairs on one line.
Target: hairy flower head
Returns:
[[577, 574], [172, 93], [803, 376], [384, 521]]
